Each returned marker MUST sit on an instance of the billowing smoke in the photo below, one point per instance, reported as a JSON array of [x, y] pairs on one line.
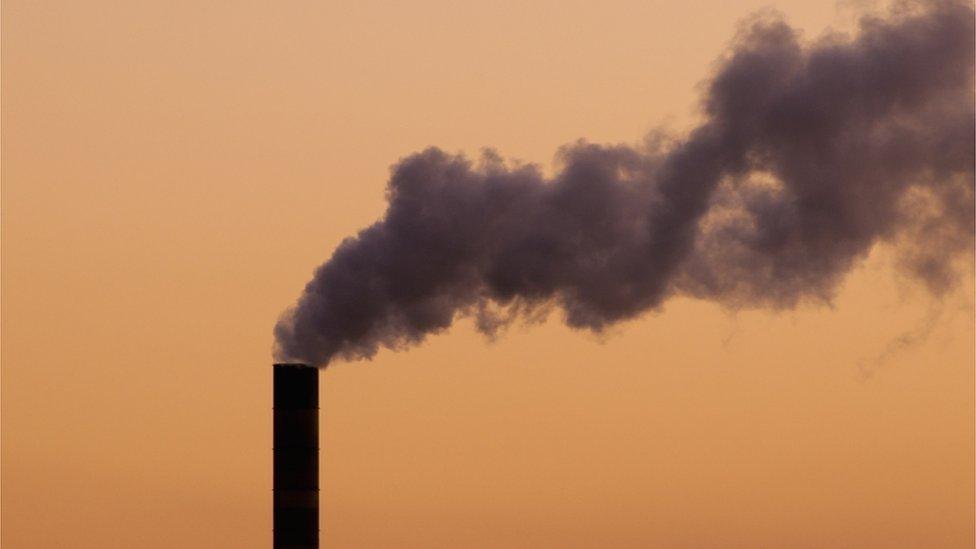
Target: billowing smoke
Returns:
[[807, 156]]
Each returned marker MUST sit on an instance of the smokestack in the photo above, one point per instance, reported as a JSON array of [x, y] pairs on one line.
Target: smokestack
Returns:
[[296, 456]]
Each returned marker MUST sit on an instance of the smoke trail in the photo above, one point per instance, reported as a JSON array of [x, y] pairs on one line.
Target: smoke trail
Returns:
[[807, 157]]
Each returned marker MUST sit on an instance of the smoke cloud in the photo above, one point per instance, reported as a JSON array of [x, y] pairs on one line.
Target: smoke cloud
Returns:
[[806, 157]]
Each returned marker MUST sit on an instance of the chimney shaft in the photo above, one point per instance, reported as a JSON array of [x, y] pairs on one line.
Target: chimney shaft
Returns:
[[296, 456]]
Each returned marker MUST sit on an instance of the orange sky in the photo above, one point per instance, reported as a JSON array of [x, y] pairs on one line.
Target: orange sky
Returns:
[[172, 173]]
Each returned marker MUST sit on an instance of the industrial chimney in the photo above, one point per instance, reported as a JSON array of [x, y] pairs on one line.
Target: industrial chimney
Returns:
[[296, 456]]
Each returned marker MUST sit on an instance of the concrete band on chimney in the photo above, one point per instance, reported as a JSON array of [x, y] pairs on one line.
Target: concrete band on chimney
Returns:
[[296, 456]]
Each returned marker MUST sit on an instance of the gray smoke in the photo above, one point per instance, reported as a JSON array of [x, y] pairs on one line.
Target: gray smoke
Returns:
[[807, 157]]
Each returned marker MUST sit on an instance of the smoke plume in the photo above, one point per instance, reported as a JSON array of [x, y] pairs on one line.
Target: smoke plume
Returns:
[[807, 156]]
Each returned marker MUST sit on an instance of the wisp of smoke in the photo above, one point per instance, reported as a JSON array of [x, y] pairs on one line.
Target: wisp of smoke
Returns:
[[807, 156]]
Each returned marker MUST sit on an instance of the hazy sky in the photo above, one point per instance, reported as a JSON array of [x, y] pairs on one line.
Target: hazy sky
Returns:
[[172, 173]]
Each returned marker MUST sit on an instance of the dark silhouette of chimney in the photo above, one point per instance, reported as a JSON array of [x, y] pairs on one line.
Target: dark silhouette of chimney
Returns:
[[296, 456]]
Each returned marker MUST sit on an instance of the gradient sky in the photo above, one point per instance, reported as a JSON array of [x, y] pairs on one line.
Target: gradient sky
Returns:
[[172, 173]]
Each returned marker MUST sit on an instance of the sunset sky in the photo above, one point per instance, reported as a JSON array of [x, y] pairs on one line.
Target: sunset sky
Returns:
[[172, 174]]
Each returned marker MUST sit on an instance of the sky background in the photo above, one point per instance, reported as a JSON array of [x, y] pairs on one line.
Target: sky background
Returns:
[[174, 171]]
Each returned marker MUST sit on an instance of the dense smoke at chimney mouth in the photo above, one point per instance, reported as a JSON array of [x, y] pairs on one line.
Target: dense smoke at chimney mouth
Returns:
[[806, 157]]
